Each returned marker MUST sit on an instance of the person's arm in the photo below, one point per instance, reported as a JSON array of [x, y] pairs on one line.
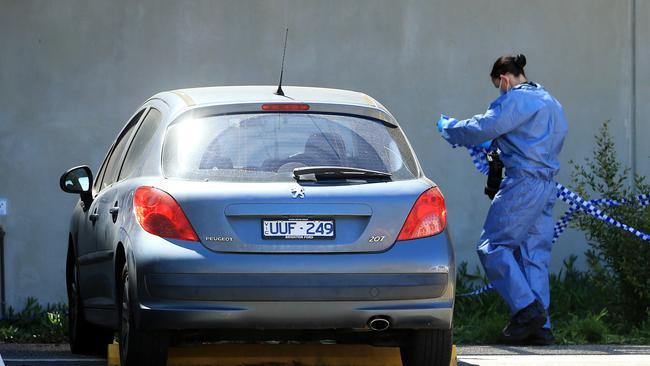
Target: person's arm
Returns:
[[504, 115]]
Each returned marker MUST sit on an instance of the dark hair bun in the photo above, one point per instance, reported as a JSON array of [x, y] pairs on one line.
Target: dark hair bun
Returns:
[[509, 63], [520, 60]]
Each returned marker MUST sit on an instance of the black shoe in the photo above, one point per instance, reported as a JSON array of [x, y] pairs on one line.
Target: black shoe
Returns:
[[526, 322], [542, 337]]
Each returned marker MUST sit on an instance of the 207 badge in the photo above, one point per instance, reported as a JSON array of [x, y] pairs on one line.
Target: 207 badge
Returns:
[[298, 192]]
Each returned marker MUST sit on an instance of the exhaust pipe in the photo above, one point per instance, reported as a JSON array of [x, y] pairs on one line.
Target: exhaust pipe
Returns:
[[378, 324]]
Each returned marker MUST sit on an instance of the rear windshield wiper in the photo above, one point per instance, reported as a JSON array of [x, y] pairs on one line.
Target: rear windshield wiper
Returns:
[[338, 172]]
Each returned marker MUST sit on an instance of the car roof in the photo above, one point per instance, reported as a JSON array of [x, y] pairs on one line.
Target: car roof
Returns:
[[183, 99]]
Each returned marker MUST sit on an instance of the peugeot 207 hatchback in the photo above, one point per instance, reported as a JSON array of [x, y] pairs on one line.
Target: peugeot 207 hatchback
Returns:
[[235, 214]]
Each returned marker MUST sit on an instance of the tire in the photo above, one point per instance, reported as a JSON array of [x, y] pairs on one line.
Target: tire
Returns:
[[431, 347], [138, 347], [84, 338]]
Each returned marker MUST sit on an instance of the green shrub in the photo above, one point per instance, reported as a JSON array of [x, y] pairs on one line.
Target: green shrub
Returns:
[[35, 323], [618, 259], [579, 330]]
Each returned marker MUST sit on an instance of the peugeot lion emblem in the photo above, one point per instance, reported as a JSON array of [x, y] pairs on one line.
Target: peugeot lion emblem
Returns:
[[297, 192]]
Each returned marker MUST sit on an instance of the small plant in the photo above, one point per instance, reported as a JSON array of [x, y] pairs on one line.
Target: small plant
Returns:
[[618, 259], [35, 323], [579, 330]]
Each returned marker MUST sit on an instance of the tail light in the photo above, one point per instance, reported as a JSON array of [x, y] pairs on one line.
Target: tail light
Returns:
[[159, 214], [427, 217]]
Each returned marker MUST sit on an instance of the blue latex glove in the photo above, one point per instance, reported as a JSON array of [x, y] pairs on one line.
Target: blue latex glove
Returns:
[[444, 121], [486, 145]]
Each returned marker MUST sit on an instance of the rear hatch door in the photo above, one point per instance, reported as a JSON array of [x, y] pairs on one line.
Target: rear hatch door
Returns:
[[231, 217]]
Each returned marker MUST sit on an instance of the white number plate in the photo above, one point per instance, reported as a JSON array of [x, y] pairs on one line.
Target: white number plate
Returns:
[[298, 229]]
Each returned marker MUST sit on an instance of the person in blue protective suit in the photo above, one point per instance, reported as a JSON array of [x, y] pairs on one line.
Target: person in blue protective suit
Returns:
[[527, 126]]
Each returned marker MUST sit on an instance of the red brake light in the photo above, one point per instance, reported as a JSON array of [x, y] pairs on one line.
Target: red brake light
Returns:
[[159, 214], [427, 217], [285, 107]]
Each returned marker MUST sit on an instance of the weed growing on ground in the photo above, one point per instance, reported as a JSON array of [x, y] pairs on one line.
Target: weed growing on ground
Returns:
[[35, 324]]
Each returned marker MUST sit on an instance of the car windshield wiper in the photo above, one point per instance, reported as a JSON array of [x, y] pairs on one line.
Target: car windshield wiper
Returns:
[[338, 172]]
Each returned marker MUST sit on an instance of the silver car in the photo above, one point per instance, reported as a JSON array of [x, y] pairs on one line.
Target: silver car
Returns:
[[236, 214]]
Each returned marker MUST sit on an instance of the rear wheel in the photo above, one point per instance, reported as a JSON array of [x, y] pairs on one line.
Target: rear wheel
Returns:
[[84, 338], [431, 347], [138, 347]]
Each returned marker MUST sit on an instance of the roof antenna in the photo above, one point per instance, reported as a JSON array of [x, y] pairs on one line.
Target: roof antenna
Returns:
[[280, 91]]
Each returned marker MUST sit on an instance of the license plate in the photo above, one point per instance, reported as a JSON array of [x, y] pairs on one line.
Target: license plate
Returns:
[[298, 229]]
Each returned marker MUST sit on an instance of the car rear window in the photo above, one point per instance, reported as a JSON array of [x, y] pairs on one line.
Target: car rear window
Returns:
[[268, 146]]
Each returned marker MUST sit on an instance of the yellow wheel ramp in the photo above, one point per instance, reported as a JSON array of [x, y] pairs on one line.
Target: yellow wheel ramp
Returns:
[[284, 354]]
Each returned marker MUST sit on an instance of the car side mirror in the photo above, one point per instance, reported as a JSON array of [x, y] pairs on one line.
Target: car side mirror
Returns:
[[78, 180]]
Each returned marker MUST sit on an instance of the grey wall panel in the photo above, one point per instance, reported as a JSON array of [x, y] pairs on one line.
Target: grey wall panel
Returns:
[[643, 87]]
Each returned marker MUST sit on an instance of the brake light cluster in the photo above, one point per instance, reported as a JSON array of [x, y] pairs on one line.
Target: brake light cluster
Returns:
[[427, 217], [159, 214], [285, 107]]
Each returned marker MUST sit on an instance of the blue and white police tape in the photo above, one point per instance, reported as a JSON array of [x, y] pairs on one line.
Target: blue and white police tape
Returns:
[[579, 204], [576, 204]]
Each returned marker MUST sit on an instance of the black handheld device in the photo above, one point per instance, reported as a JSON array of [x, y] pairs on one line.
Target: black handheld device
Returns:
[[495, 174]]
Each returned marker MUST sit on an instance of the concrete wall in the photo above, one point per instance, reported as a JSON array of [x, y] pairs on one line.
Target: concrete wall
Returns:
[[642, 84], [71, 72]]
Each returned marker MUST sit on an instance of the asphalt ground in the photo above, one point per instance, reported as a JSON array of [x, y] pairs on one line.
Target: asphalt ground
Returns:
[[591, 355]]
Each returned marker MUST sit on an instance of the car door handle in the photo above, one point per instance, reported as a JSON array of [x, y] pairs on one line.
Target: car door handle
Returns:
[[93, 217], [114, 211]]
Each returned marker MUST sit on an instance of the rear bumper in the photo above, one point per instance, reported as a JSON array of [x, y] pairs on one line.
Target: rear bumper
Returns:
[[184, 286], [342, 315]]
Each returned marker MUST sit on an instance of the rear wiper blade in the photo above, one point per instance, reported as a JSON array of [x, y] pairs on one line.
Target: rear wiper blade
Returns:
[[338, 172]]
